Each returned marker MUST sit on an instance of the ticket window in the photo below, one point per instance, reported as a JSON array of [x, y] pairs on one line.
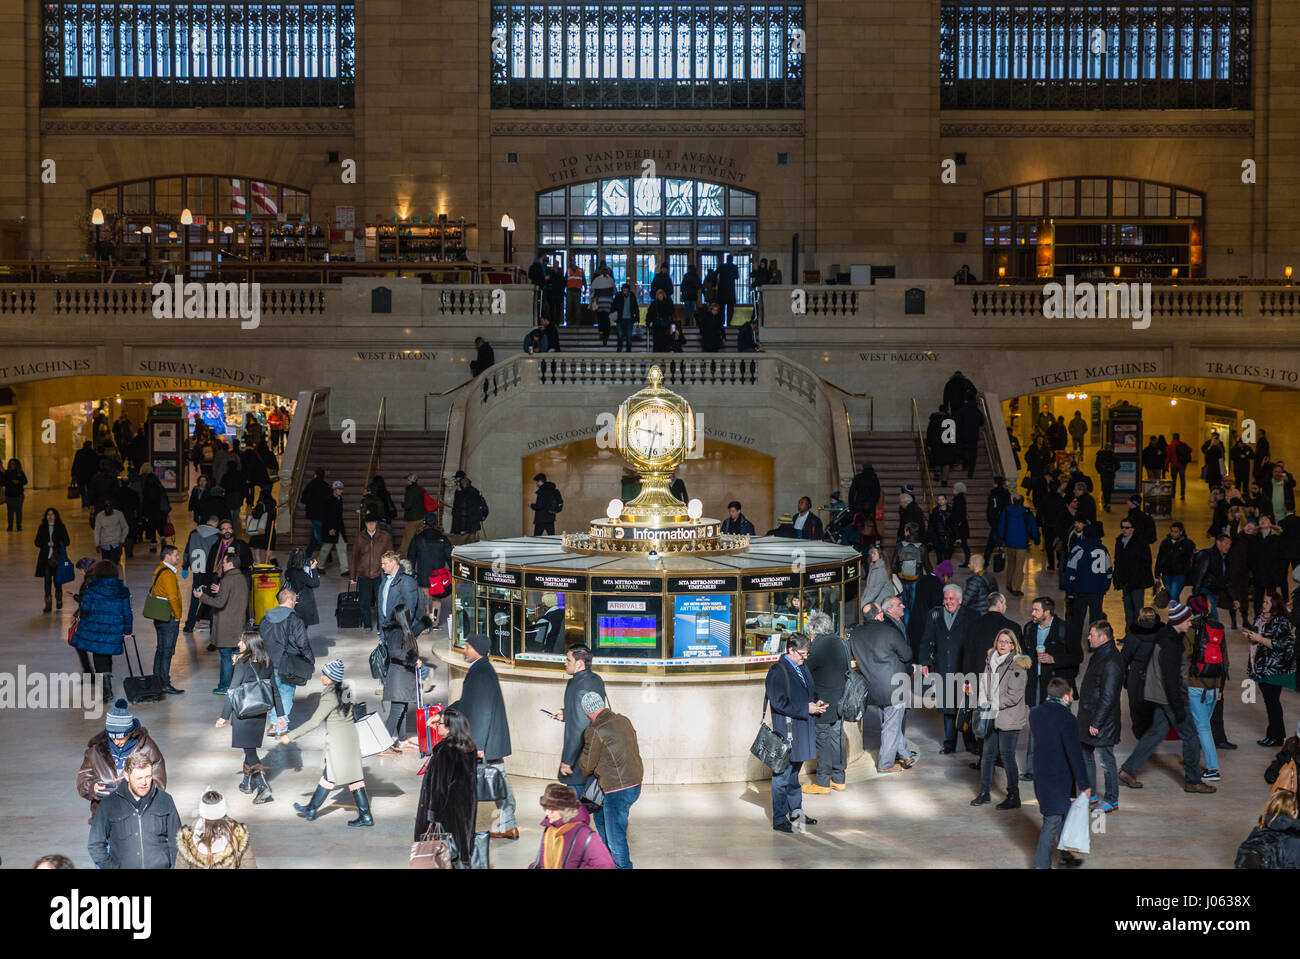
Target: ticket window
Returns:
[[500, 611], [553, 628], [823, 599], [768, 616], [464, 614]]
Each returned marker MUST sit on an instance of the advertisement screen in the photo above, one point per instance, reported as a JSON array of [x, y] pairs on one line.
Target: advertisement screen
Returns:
[[701, 627]]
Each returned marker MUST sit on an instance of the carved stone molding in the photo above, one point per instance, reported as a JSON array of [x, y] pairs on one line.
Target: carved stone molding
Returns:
[[193, 128], [674, 128], [1030, 128]]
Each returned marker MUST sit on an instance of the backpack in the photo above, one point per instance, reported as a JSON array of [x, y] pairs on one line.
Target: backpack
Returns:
[[909, 560], [1207, 651], [482, 507], [557, 502], [1259, 851], [1286, 778], [1183, 454]]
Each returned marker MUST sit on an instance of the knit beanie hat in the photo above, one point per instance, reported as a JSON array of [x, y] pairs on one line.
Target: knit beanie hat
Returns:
[[1178, 613], [334, 670], [1199, 605], [1135, 500], [592, 702], [480, 643], [119, 720], [211, 811]]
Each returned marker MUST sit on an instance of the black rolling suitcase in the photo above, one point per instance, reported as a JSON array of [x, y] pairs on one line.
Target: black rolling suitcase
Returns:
[[347, 610], [143, 688]]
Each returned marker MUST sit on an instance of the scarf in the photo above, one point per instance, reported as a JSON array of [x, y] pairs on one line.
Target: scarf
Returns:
[[119, 753], [995, 663], [553, 843], [1058, 700]]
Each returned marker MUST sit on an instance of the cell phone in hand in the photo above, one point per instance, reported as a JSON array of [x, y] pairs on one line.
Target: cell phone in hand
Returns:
[[549, 713]]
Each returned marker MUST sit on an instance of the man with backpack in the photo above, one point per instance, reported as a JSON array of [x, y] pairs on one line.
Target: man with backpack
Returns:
[[468, 511], [1206, 648], [203, 539], [1180, 454], [911, 561], [1165, 704], [549, 502]]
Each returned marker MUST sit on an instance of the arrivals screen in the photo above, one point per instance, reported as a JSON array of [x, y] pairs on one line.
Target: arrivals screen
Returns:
[[701, 626], [626, 625]]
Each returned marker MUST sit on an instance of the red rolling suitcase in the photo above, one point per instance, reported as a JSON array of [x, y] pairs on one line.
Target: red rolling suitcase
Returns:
[[425, 717]]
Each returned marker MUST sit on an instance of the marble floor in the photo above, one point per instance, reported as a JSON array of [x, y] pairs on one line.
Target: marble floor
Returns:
[[917, 818]]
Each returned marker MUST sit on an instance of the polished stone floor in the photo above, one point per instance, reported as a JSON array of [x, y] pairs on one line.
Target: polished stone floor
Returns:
[[916, 818]]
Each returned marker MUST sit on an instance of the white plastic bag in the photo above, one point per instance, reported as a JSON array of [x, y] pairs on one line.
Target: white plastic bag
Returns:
[[1076, 835]]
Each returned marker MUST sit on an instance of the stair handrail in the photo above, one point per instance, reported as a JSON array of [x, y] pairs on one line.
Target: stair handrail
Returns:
[[446, 442], [871, 402], [376, 445], [918, 434], [433, 396], [298, 453], [1002, 458]]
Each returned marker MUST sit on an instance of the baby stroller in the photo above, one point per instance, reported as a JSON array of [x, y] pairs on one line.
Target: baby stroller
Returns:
[[842, 529]]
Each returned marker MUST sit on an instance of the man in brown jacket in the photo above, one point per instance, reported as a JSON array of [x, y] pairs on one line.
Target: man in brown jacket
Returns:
[[610, 754], [367, 573], [103, 765], [229, 601]]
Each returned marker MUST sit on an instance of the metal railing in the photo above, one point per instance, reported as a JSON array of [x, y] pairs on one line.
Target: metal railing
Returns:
[[376, 446], [871, 403], [305, 419], [314, 271], [918, 435], [446, 442], [986, 431]]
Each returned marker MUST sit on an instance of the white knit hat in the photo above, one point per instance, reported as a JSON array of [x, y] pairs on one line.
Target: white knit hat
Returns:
[[212, 811]]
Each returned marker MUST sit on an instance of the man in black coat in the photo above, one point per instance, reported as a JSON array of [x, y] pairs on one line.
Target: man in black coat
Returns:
[[1053, 655], [547, 504], [84, 466], [1278, 489], [484, 707], [135, 826], [486, 356], [1270, 570], [1107, 465], [582, 679], [939, 658], [828, 663], [1061, 770], [1099, 711], [998, 501], [882, 653], [468, 510], [982, 633], [794, 702], [864, 494], [1143, 524], [1132, 571], [1209, 576], [969, 420], [1164, 687]]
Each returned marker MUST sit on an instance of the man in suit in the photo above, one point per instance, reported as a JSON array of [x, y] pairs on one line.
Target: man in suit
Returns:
[[805, 522], [828, 664], [577, 663], [1060, 769], [940, 654], [482, 703], [983, 631], [794, 703], [1054, 655], [882, 652]]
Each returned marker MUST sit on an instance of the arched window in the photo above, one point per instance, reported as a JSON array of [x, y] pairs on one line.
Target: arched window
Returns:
[[636, 223], [1094, 227], [267, 221]]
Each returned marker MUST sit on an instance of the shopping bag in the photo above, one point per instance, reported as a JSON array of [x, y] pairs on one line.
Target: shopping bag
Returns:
[[1076, 834], [65, 572], [372, 735]]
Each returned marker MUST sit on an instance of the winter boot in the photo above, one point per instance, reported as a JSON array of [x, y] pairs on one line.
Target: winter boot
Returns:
[[260, 785], [246, 785], [108, 686], [317, 798], [982, 799], [1012, 801], [363, 809]]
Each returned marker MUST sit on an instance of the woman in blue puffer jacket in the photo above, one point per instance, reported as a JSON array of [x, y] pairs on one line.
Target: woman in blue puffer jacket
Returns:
[[105, 619]]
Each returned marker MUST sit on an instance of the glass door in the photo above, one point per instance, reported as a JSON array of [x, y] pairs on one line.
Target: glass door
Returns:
[[744, 267], [646, 263], [677, 264]]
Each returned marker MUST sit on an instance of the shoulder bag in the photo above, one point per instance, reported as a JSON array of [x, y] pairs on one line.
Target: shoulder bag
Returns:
[[771, 750], [491, 782], [65, 572], [593, 797], [251, 699], [157, 608], [295, 668], [379, 661], [982, 722]]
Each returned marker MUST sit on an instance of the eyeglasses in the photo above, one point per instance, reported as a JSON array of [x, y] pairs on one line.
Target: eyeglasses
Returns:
[[1122, 526]]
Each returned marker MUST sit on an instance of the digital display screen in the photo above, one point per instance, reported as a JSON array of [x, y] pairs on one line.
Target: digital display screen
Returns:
[[701, 627], [627, 631]]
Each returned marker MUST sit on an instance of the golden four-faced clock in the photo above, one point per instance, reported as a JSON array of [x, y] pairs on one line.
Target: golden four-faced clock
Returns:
[[655, 428]]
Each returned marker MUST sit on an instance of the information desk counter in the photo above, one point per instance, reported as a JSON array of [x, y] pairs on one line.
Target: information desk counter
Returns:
[[692, 726]]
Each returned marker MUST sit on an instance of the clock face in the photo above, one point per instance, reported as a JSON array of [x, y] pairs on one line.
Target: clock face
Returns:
[[654, 431]]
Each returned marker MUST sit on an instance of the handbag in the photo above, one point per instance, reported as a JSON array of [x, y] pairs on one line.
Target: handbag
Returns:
[[491, 782], [849, 708], [1076, 836], [65, 572], [478, 854], [379, 661], [434, 851], [157, 608], [1000, 561], [72, 626], [168, 529], [880, 513], [439, 583], [982, 722], [593, 797], [74, 491], [250, 700]]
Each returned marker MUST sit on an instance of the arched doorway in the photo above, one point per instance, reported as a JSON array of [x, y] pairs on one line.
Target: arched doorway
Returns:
[[636, 223]]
